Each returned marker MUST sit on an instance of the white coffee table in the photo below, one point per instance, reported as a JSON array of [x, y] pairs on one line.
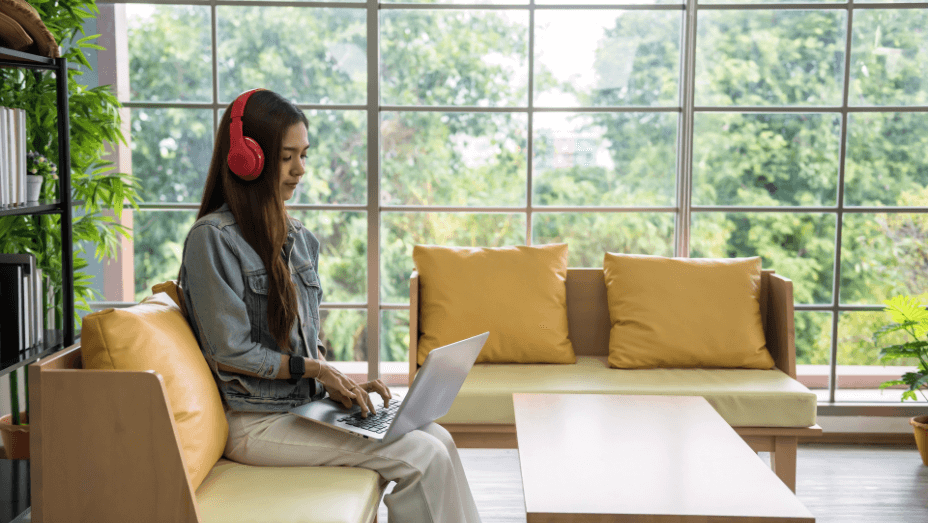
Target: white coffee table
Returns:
[[643, 459]]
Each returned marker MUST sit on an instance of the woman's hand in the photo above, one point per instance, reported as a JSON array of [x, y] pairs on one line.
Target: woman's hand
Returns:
[[362, 396], [378, 387], [341, 388], [344, 390]]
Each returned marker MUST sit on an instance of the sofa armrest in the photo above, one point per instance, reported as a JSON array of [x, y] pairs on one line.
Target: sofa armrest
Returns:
[[105, 449], [779, 327]]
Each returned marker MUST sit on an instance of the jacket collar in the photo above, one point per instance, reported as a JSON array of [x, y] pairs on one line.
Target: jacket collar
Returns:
[[293, 225]]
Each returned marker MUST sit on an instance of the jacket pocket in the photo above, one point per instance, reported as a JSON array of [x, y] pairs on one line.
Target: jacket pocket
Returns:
[[311, 287], [256, 303]]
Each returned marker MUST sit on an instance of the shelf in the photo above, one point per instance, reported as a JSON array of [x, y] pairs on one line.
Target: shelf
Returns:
[[15, 494], [14, 476], [42, 207], [52, 344], [25, 60]]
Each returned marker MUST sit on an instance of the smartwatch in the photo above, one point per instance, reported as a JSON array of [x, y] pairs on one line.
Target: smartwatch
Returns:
[[297, 369]]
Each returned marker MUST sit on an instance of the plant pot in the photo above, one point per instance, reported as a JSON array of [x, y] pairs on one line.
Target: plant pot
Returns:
[[920, 426], [15, 437], [33, 187]]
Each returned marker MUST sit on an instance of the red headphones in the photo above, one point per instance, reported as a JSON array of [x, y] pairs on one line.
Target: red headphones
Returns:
[[246, 159]]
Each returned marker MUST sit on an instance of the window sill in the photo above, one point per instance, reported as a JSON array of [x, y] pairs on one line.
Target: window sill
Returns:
[[850, 376]]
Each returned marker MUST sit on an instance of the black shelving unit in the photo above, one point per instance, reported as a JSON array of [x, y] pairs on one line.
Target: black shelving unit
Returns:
[[14, 474]]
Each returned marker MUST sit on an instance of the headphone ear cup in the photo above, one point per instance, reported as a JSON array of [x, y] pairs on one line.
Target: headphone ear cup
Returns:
[[247, 160]]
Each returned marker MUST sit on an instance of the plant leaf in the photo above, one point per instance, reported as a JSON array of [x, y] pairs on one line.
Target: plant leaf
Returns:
[[910, 349], [906, 309]]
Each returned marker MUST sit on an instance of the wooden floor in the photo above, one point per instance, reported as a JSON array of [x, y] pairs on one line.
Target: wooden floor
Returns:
[[837, 483]]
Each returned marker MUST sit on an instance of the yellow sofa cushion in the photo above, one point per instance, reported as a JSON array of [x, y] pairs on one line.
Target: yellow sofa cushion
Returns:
[[744, 397], [684, 312], [154, 335], [518, 294], [288, 494]]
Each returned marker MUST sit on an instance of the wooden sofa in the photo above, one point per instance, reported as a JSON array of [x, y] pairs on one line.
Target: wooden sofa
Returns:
[[769, 409], [105, 449]]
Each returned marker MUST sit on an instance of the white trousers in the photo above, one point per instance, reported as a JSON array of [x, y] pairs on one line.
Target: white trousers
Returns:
[[430, 483]]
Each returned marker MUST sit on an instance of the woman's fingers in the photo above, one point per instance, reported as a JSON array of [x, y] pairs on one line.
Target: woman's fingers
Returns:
[[337, 395], [369, 402], [378, 387], [346, 402], [350, 392], [364, 401]]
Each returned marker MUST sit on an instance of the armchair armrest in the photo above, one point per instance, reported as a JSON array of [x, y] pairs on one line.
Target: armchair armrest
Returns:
[[105, 448]]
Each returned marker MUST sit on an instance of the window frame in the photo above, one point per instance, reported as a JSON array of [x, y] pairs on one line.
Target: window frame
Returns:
[[684, 209]]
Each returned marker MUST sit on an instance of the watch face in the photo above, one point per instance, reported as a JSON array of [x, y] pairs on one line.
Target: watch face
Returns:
[[297, 367]]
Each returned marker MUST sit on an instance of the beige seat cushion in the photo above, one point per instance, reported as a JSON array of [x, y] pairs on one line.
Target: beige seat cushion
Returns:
[[288, 494], [744, 397]]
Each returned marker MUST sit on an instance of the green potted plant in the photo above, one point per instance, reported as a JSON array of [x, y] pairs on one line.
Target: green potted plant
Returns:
[[39, 169], [100, 190], [910, 317]]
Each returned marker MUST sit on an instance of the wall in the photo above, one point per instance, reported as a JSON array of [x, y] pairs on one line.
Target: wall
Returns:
[[91, 79]]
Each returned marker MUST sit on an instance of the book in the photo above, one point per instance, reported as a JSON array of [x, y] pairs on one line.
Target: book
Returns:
[[4, 176], [13, 191], [19, 305], [26, 304], [11, 297], [21, 151], [12, 156], [20, 177], [39, 293]]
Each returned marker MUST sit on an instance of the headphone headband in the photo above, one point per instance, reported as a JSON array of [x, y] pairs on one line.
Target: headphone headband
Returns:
[[238, 106]]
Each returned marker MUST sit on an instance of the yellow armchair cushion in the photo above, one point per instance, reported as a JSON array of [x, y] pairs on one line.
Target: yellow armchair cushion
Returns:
[[154, 335], [516, 293], [288, 494], [684, 312]]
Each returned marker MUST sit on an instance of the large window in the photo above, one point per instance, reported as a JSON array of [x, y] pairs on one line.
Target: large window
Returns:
[[794, 132]]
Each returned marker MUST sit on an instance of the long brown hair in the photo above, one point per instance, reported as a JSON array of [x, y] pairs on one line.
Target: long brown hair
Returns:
[[256, 205]]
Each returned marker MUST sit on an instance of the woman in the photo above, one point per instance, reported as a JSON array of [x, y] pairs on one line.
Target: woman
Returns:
[[249, 276]]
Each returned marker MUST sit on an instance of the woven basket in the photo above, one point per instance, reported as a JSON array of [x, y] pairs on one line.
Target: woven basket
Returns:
[[15, 437]]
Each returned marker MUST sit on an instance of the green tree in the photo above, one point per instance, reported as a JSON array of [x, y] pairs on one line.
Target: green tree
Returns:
[[796, 58], [171, 146]]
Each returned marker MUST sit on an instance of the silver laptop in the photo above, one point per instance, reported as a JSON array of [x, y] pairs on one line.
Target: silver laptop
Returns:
[[436, 385]]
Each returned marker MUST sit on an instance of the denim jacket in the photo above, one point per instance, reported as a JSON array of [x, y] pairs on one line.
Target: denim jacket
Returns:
[[225, 287]]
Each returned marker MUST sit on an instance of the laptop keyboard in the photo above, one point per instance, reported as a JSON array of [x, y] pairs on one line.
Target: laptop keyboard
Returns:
[[379, 422]]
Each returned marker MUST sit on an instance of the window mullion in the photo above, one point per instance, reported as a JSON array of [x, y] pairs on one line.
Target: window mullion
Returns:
[[685, 134], [373, 190]]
